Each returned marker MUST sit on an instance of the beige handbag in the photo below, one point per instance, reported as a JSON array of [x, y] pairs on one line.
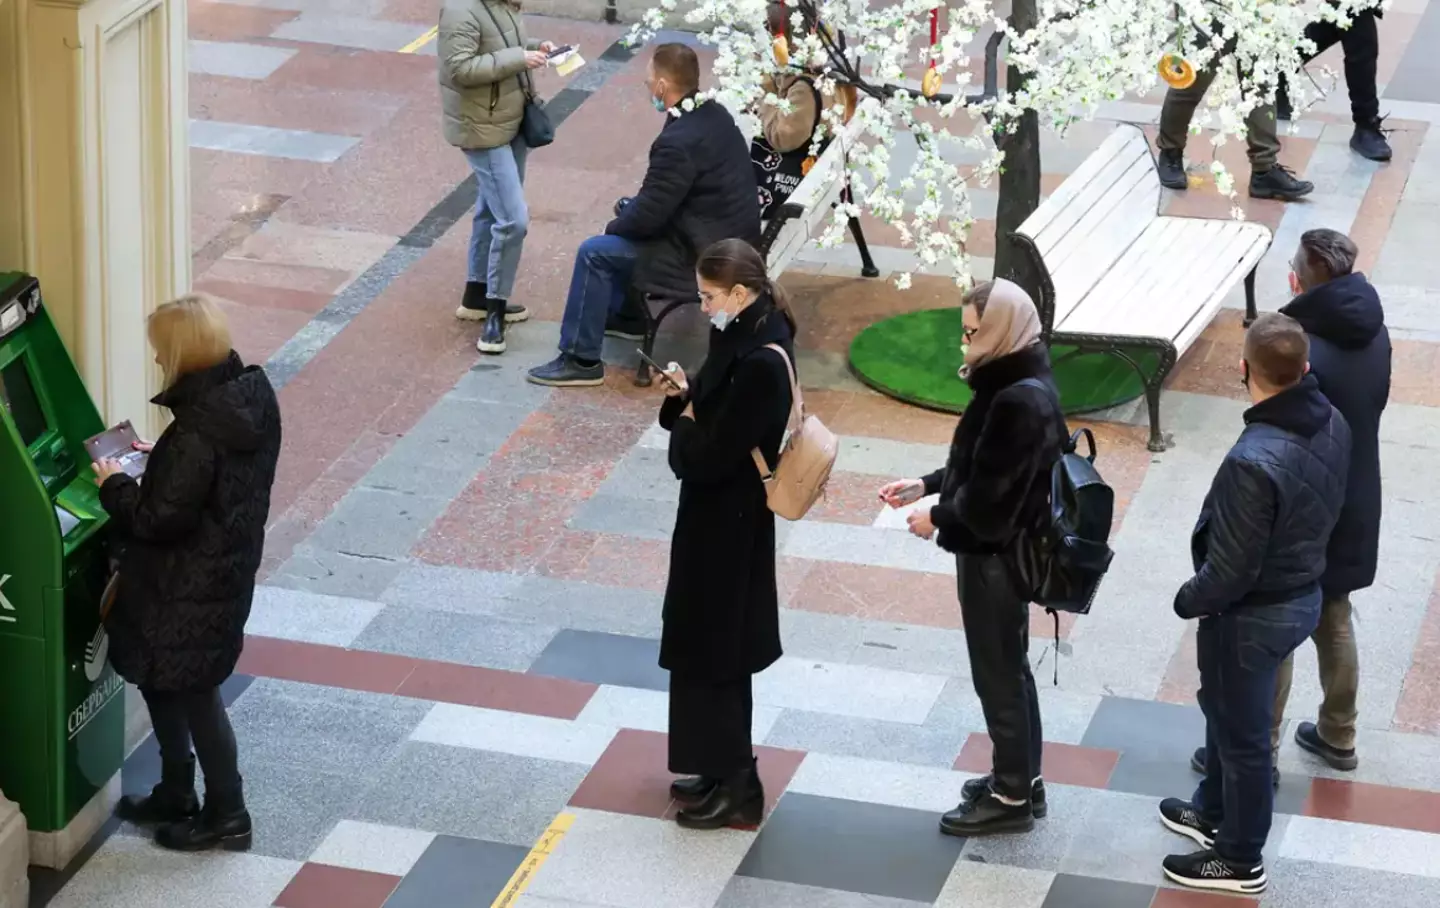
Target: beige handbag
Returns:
[[807, 456]]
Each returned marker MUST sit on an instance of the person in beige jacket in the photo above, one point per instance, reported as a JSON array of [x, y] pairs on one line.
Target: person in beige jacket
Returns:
[[783, 145], [486, 61]]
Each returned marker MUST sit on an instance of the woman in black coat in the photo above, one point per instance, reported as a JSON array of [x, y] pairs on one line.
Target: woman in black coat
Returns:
[[721, 617], [995, 483], [190, 536]]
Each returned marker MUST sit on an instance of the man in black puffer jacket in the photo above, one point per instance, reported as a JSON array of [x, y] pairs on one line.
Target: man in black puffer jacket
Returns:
[[1259, 552], [699, 189]]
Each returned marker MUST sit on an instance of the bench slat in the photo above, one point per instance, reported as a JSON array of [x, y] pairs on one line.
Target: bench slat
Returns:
[[1176, 300], [1113, 148], [1126, 167], [1147, 263]]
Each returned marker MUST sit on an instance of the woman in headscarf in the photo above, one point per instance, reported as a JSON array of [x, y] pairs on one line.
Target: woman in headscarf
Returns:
[[995, 483]]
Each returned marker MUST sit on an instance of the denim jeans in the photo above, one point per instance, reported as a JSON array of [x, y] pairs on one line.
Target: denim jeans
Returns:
[[497, 234], [603, 265], [1240, 653]]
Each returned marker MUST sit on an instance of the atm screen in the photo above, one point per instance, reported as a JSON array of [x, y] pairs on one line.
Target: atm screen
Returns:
[[18, 395]]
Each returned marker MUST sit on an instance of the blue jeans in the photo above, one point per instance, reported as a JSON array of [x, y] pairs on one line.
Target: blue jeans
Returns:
[[502, 218], [1240, 654], [603, 265]]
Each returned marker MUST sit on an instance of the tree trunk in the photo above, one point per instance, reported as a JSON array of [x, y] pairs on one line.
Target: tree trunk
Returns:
[[1020, 180]]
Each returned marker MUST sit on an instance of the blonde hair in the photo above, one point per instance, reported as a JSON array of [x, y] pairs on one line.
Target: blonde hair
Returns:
[[189, 334]]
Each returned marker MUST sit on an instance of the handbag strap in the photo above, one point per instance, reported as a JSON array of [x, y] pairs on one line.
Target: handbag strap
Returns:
[[527, 82], [797, 411]]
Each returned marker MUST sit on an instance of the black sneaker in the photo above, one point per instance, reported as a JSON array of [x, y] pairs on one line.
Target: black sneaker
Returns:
[[1207, 870], [492, 336], [973, 789], [1368, 141], [1197, 763], [1182, 819], [1170, 167], [1279, 183], [987, 815], [565, 371], [625, 328], [1308, 737]]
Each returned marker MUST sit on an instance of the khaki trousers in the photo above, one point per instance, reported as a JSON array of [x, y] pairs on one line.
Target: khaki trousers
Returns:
[[1262, 140], [1339, 677]]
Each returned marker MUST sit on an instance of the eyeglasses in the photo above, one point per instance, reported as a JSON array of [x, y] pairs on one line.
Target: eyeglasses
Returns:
[[970, 334]]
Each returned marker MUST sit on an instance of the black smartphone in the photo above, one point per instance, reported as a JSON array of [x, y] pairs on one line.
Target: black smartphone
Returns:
[[664, 375], [559, 50]]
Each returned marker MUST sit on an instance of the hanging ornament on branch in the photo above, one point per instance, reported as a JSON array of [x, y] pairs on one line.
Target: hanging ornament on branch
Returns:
[[1176, 71], [931, 82]]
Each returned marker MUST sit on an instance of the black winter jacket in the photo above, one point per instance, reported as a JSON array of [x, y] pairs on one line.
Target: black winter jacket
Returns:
[[699, 189], [1350, 358], [721, 615], [997, 478], [1266, 521], [193, 530]]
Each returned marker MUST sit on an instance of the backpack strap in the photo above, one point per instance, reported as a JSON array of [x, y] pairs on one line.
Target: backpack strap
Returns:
[[797, 412]]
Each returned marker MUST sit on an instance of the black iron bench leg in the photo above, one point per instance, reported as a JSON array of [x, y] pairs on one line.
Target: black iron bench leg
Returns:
[[1153, 383], [867, 264], [652, 330], [1250, 314]]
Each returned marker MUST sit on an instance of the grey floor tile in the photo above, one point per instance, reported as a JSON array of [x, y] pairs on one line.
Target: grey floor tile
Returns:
[[446, 448], [974, 883], [1045, 847], [347, 31], [235, 60], [636, 517], [448, 637], [644, 474], [1132, 845], [327, 729], [851, 846], [377, 524], [310, 617], [874, 739], [1155, 741], [458, 871], [319, 571], [269, 141], [587, 607], [128, 872], [1070, 891], [748, 892], [451, 589], [603, 659], [489, 382], [1304, 884], [473, 793], [293, 807]]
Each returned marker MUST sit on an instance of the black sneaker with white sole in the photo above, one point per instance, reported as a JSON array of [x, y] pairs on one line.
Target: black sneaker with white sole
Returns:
[[1180, 817], [1207, 870], [1197, 763], [971, 791]]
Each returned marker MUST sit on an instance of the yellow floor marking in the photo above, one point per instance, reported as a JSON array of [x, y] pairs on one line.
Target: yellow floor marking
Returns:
[[421, 41], [544, 847]]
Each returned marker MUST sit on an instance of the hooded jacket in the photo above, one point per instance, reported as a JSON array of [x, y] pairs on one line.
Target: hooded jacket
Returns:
[[191, 533], [1266, 521], [1350, 358]]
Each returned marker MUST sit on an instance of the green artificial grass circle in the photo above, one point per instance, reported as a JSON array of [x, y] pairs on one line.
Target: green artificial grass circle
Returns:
[[915, 357]]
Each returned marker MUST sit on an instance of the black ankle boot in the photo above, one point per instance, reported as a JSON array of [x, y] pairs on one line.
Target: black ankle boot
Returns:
[[692, 790], [172, 800], [739, 800], [222, 823], [472, 304], [492, 336]]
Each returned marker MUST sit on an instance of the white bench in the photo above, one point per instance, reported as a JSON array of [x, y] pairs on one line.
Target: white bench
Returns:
[[1117, 277], [801, 219]]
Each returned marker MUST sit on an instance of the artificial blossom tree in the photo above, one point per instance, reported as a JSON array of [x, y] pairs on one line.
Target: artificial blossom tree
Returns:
[[1064, 59]]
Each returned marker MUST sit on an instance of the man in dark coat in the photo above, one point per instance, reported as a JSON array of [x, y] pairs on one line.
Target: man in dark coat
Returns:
[[699, 189], [1259, 555]]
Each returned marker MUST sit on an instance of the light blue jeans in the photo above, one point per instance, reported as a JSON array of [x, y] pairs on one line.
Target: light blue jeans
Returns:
[[502, 218]]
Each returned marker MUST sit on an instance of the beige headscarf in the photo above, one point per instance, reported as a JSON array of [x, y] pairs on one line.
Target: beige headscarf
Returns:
[[1010, 323]]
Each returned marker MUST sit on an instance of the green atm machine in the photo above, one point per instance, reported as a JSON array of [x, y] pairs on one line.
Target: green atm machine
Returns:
[[62, 716]]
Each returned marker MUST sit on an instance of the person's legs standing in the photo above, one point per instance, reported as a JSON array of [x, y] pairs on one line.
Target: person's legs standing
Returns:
[[603, 265], [1332, 738], [1362, 56], [996, 621], [710, 739], [224, 821], [1175, 116], [501, 206], [173, 798], [1269, 179]]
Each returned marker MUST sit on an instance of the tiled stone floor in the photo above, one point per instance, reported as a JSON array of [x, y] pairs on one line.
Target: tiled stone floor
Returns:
[[449, 694]]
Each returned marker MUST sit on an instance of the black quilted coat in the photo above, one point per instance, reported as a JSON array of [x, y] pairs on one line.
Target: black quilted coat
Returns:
[[192, 532], [699, 189], [1266, 522]]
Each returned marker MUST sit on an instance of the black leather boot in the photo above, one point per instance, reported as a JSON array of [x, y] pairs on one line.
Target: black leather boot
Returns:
[[492, 336], [223, 823], [739, 800], [172, 800], [693, 789]]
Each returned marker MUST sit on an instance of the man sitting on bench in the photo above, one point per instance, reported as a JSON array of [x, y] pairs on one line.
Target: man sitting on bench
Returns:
[[699, 188]]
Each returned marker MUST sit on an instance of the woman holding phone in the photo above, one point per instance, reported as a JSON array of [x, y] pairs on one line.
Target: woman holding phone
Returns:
[[721, 615], [190, 539]]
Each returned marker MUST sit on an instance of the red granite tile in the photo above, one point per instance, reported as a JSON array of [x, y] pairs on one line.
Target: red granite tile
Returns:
[[348, 69], [1377, 209], [1212, 364], [417, 11], [571, 435], [257, 331], [323, 886], [260, 296], [502, 530], [1064, 764], [1189, 898], [631, 776], [642, 564], [1415, 373], [1375, 805], [490, 688], [849, 498], [233, 22], [300, 278], [791, 576], [1182, 677], [1418, 709], [329, 110], [332, 666], [259, 174]]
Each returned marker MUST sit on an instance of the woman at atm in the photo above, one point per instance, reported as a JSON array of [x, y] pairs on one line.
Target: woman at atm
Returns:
[[191, 533]]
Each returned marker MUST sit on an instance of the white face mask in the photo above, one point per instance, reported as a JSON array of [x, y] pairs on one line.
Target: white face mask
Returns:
[[721, 319]]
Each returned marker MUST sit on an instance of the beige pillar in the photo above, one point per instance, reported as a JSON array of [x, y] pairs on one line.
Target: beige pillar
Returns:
[[14, 856], [94, 178]]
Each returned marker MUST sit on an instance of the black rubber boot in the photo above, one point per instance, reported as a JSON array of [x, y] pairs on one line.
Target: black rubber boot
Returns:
[[739, 801], [1170, 168], [472, 304], [172, 800], [223, 823], [492, 336]]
